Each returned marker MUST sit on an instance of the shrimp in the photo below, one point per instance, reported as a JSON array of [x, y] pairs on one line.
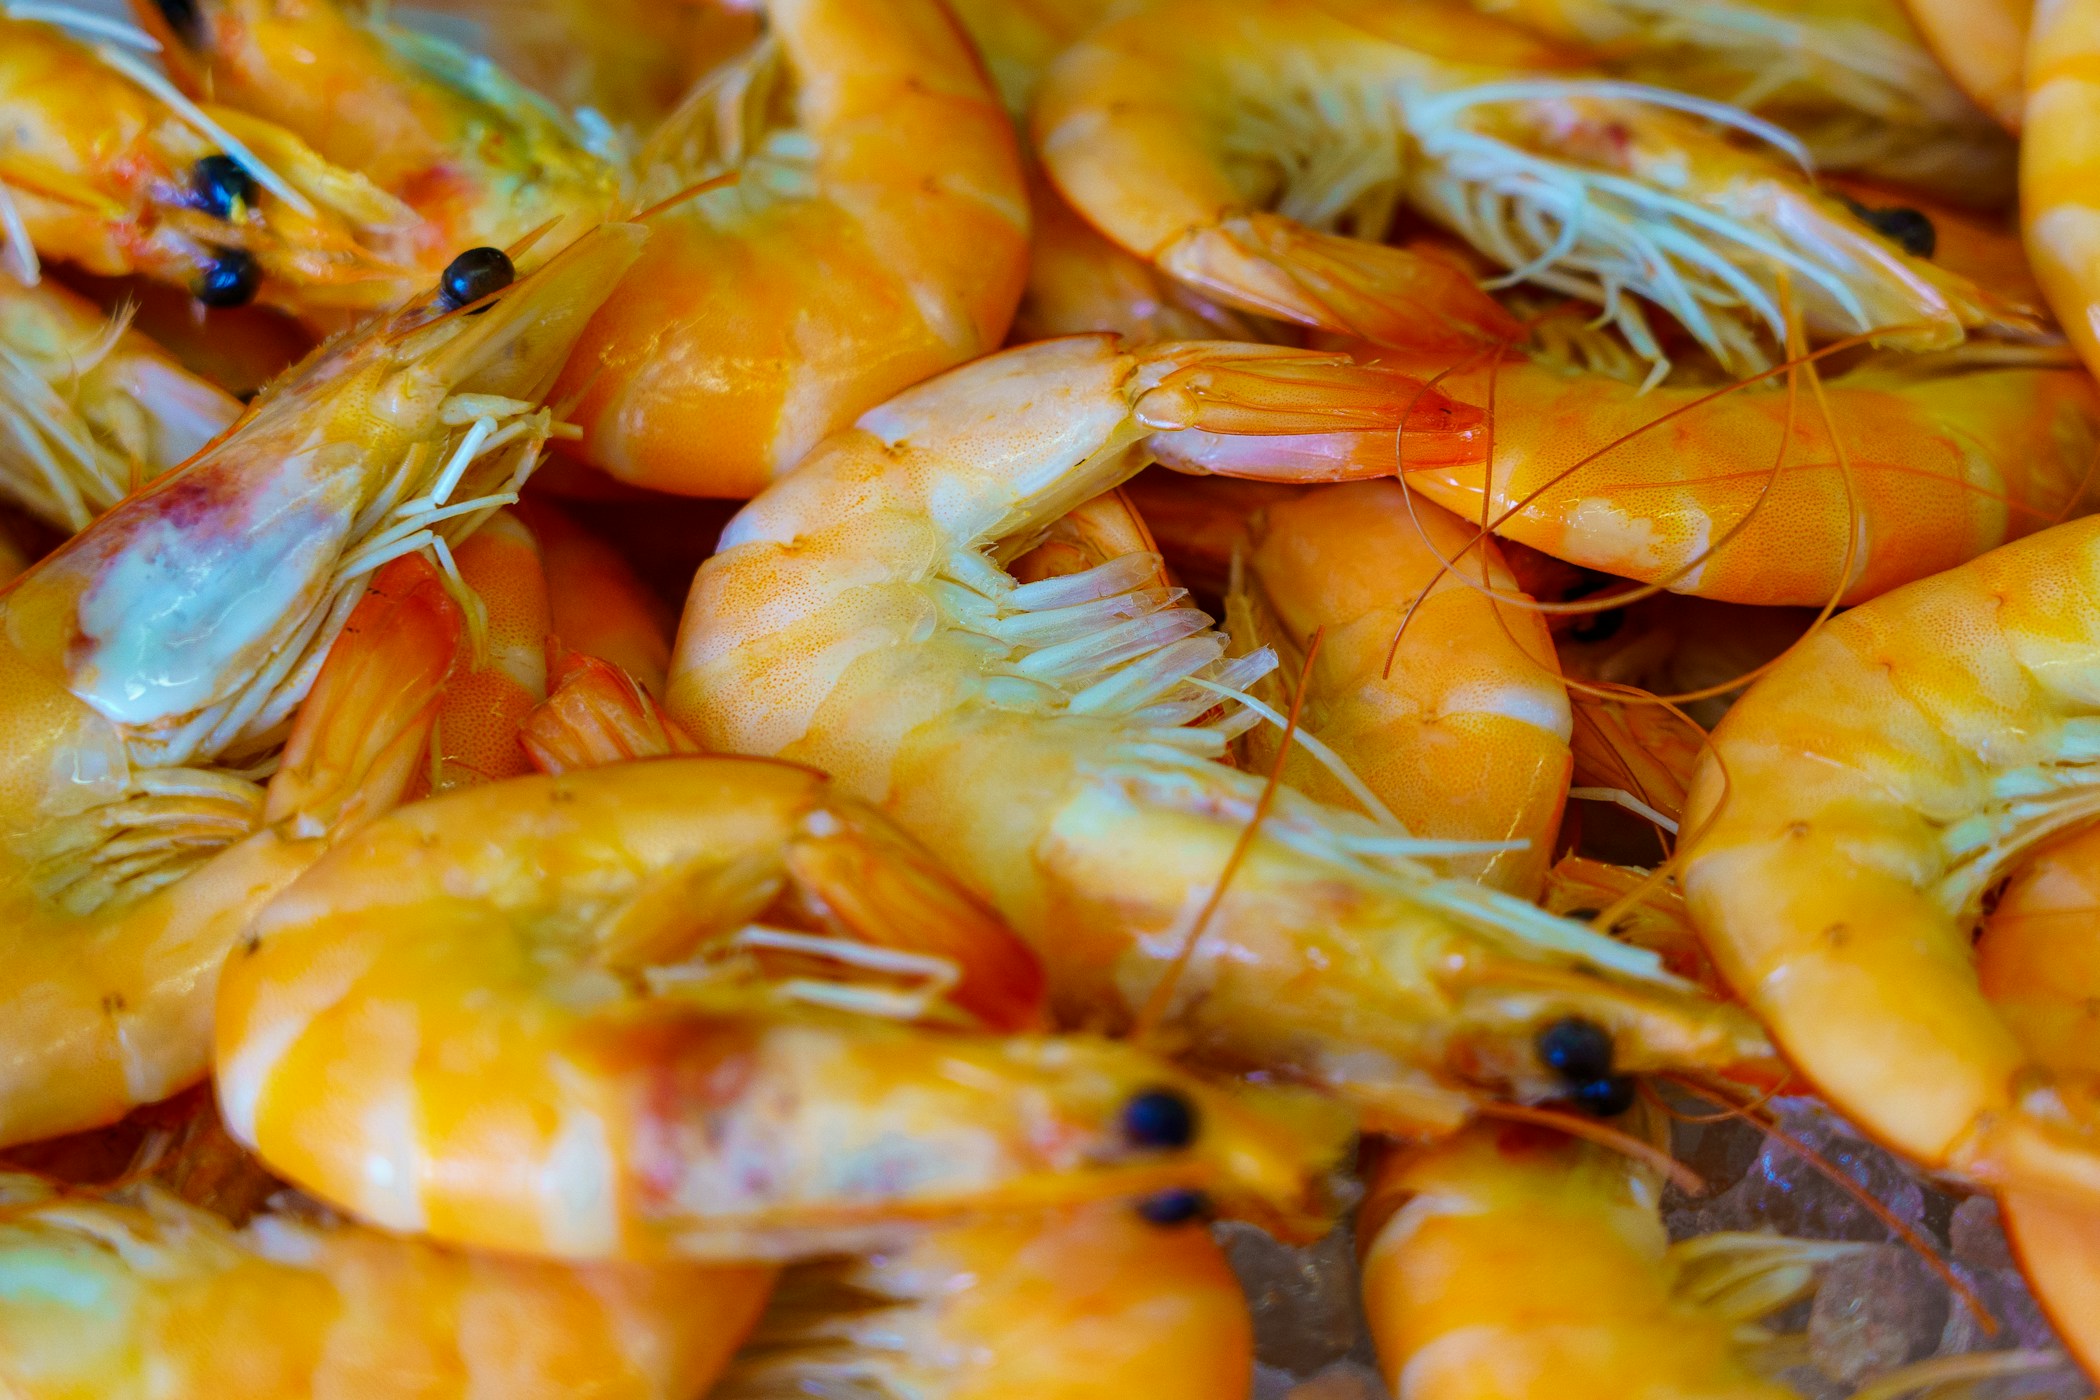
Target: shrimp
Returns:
[[1461, 731], [1983, 46], [2057, 166], [150, 667], [1512, 1262], [598, 1095], [1850, 77], [2038, 960], [475, 158], [876, 233], [1919, 464], [135, 1293], [105, 165], [1039, 739], [92, 409], [1067, 1305], [596, 603], [1236, 144], [1855, 809]]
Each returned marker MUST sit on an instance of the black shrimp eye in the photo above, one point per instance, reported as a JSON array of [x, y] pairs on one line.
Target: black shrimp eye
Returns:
[[1606, 1096], [1162, 1118], [1909, 229], [473, 275], [184, 18], [1576, 1048], [230, 279], [223, 186], [1174, 1207], [1598, 627]]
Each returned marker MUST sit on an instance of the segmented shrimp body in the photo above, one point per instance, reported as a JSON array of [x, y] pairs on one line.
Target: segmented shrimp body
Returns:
[[1850, 77], [1983, 46], [106, 165], [2058, 166], [1063, 1306], [1461, 728], [474, 157], [1040, 737], [1894, 471], [133, 1294], [1235, 145], [92, 409], [1512, 1262], [875, 233], [151, 667], [603, 1095], [1857, 805]]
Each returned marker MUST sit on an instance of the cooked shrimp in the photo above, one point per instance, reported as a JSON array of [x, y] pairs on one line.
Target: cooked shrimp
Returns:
[[1983, 44], [1512, 1263], [90, 409], [2038, 958], [1461, 730], [149, 668], [1040, 739], [477, 738], [598, 1095], [1858, 804], [476, 159], [105, 165], [875, 233], [597, 605], [1069, 1305], [2058, 166], [1850, 77], [134, 1294], [1235, 142], [1920, 465], [596, 713]]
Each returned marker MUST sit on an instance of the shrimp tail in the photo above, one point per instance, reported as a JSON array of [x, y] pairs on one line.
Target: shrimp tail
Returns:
[[361, 736], [1278, 267], [595, 714], [878, 887]]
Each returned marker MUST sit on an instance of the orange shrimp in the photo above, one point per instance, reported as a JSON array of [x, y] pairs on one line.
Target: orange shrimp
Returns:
[[1068, 1305], [472, 157], [1983, 45], [875, 233], [2058, 167], [159, 665], [600, 1095]]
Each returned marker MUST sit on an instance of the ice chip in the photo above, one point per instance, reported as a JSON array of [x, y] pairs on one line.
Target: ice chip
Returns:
[[1874, 1311]]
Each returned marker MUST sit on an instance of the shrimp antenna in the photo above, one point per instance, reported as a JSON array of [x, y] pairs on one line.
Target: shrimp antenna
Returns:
[[1604, 1135], [1155, 1007], [1765, 1120], [692, 191]]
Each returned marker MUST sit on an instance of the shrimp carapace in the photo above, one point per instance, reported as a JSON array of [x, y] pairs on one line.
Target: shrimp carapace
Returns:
[[1054, 742], [609, 1088], [840, 214]]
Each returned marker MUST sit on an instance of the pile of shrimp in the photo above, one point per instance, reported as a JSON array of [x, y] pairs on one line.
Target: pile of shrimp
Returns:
[[764, 698]]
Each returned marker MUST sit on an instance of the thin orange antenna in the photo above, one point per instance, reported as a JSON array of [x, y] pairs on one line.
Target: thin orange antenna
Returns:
[[1902, 1229], [713, 182], [1155, 1007]]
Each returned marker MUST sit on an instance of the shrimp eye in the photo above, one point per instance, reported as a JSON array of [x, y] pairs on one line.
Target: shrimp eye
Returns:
[[183, 17], [1577, 1049], [1606, 1096], [223, 186], [1174, 1207], [1598, 627], [230, 279], [1162, 1118], [473, 275], [1909, 229]]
